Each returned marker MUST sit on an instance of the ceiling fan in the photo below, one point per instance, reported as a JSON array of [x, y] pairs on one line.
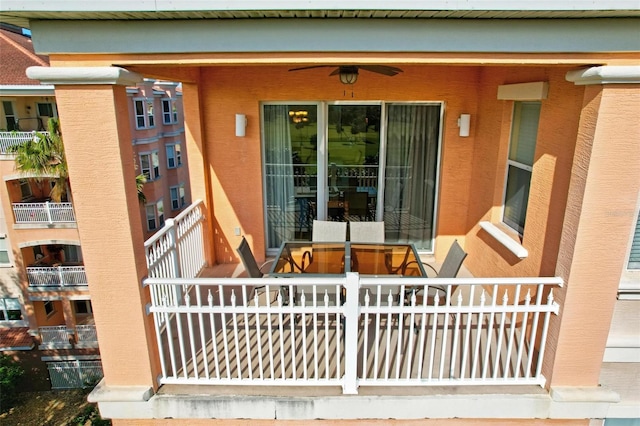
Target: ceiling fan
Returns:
[[349, 73]]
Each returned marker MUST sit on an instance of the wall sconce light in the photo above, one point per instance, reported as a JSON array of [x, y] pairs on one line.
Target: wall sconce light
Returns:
[[464, 123], [241, 125]]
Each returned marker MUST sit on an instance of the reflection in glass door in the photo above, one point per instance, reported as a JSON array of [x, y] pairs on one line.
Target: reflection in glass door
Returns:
[[373, 162], [353, 148], [290, 144]]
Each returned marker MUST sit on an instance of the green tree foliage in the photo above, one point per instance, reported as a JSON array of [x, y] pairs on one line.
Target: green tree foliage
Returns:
[[141, 179], [43, 156], [10, 373]]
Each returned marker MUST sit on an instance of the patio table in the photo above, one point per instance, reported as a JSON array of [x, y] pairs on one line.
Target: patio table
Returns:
[[331, 258]]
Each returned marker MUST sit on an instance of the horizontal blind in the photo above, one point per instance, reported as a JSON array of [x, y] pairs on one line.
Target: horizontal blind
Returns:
[[634, 256]]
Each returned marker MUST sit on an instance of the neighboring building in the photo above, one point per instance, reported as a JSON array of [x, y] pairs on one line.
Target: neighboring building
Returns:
[[44, 291], [512, 129]]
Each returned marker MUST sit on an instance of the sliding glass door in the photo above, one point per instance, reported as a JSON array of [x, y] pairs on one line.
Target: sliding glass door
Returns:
[[351, 162], [411, 173]]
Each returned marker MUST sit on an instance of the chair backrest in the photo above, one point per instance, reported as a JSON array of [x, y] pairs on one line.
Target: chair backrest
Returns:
[[248, 260], [366, 232], [453, 261], [324, 230]]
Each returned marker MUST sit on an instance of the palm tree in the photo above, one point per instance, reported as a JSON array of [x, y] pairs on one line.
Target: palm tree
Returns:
[[43, 156], [141, 179]]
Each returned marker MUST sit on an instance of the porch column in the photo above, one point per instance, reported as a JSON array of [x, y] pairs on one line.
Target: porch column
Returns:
[[599, 219], [93, 109], [197, 158]]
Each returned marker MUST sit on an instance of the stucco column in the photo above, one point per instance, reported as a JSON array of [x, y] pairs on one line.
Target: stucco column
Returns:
[[199, 166], [599, 219], [93, 108]]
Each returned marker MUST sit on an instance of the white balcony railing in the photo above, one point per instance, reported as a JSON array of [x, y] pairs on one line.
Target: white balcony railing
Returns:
[[44, 213], [221, 332], [56, 276], [87, 334], [54, 336], [10, 139], [349, 330]]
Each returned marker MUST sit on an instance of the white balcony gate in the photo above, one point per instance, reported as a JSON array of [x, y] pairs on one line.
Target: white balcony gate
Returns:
[[44, 213], [87, 335], [56, 336], [56, 276], [487, 332], [74, 374], [10, 139]]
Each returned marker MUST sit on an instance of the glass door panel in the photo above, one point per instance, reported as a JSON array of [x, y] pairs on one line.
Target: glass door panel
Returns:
[[353, 147], [413, 134], [290, 143]]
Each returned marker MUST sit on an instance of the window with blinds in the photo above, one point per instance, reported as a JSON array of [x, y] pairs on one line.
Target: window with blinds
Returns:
[[634, 256], [522, 148]]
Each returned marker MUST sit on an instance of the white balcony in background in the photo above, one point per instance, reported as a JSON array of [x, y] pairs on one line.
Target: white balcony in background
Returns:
[[56, 276], [9, 139], [54, 337], [43, 213], [87, 336]]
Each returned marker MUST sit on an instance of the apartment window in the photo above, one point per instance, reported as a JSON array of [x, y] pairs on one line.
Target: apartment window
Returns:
[[82, 306], [145, 117], [174, 156], [152, 222], [634, 256], [150, 165], [4, 251], [25, 189], [150, 116], [177, 196], [160, 210], [10, 309], [10, 116], [49, 307], [45, 109], [72, 254], [526, 116], [140, 114], [169, 111]]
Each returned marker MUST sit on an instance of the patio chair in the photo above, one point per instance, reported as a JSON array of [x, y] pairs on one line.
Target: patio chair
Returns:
[[329, 231], [449, 269], [254, 271], [366, 232]]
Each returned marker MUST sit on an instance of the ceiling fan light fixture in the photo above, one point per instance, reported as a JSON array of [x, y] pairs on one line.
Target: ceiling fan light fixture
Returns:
[[348, 75]]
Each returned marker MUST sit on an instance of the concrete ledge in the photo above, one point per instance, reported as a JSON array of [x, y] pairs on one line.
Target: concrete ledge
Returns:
[[611, 74], [504, 239], [104, 393], [581, 402], [84, 75]]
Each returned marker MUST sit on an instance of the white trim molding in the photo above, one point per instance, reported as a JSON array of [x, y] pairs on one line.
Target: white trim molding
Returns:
[[611, 74], [504, 239], [26, 90], [84, 75]]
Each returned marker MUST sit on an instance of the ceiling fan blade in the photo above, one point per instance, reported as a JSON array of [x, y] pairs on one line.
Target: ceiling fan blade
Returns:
[[381, 69], [310, 67]]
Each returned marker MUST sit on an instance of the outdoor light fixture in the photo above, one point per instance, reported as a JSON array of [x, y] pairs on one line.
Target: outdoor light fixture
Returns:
[[241, 125], [464, 123], [348, 75]]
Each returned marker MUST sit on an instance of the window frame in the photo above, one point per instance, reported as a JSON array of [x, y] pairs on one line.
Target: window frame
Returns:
[[49, 106], [4, 311], [151, 218], [178, 201], [12, 115], [51, 310], [514, 137], [144, 111], [169, 111], [174, 156], [160, 212], [152, 172], [5, 248]]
